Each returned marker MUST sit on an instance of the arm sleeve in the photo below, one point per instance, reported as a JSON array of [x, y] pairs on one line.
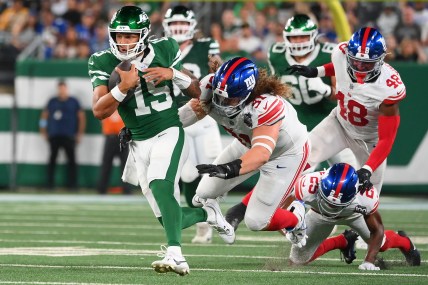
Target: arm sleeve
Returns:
[[387, 130]]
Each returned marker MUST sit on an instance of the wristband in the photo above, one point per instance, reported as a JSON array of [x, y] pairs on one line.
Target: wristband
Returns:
[[180, 79], [321, 71], [117, 94], [187, 115]]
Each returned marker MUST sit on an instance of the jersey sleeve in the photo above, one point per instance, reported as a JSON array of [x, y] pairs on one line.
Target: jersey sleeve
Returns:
[[206, 87], [306, 187], [267, 110], [394, 86], [214, 47], [175, 53], [96, 73], [369, 201]]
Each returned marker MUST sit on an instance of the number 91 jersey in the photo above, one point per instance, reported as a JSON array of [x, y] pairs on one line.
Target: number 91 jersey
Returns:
[[358, 108], [311, 105], [307, 186]]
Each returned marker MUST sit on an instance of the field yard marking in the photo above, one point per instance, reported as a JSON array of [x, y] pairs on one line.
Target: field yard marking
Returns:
[[363, 273]]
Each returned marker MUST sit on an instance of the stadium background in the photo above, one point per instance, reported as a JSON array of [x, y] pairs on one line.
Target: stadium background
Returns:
[[29, 76]]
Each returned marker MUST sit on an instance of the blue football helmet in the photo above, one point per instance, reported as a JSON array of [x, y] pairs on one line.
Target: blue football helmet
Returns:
[[365, 53], [338, 189], [232, 85]]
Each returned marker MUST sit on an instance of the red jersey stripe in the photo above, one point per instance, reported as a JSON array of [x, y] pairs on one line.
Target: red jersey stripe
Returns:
[[274, 109]]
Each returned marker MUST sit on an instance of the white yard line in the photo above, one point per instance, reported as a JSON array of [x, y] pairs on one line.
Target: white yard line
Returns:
[[365, 273]]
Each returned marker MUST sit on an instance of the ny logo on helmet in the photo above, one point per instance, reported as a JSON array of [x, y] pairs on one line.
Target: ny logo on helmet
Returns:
[[250, 81]]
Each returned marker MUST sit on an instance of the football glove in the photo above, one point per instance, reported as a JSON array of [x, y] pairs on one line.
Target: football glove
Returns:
[[297, 237], [125, 137], [317, 85], [303, 70], [223, 171], [364, 180], [368, 266]]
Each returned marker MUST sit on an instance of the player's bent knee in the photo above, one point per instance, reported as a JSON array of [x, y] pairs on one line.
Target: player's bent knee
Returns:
[[255, 224]]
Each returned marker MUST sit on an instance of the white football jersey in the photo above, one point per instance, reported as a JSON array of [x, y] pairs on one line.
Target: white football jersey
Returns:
[[266, 109], [307, 186], [358, 104]]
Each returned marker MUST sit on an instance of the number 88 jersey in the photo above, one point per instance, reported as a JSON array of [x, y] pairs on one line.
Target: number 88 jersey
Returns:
[[358, 104]]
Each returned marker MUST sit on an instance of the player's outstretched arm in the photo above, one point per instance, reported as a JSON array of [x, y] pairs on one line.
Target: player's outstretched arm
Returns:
[[375, 225]]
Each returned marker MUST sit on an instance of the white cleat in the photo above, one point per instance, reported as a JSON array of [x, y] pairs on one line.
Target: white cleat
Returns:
[[204, 233], [218, 222], [298, 235], [171, 263]]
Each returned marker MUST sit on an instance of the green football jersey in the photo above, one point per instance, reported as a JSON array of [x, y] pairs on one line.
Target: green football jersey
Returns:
[[152, 109], [195, 59], [311, 106]]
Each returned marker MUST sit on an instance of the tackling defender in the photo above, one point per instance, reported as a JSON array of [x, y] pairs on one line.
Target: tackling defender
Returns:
[[334, 200]]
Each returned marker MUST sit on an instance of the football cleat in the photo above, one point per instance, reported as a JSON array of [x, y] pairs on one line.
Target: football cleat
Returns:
[[235, 215], [216, 220], [413, 257], [297, 235], [171, 263], [204, 233], [348, 252]]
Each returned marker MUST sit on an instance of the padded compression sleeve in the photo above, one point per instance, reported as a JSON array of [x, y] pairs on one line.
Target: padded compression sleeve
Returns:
[[387, 130]]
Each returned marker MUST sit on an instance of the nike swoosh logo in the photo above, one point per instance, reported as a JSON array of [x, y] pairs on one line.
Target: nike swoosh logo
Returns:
[[161, 135], [281, 166], [179, 262]]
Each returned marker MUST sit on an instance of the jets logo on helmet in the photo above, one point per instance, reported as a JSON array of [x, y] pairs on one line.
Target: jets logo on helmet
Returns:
[[365, 53], [338, 189], [300, 25], [179, 23], [133, 20], [234, 81]]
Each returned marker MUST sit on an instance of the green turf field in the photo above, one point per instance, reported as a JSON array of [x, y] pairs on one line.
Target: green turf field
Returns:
[[89, 239]]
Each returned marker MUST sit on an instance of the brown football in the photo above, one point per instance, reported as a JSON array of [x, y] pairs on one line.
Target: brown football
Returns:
[[115, 79]]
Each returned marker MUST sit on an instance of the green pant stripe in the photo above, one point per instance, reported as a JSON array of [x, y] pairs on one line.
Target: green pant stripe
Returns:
[[171, 173]]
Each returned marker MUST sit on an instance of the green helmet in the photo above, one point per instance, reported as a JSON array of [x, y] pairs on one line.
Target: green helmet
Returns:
[[179, 23], [129, 19], [300, 25]]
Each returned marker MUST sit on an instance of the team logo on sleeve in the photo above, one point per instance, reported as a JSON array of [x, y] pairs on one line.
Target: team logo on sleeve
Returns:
[[361, 210]]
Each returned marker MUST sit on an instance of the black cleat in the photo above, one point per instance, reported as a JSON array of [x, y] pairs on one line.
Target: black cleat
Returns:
[[413, 257], [348, 252], [235, 215]]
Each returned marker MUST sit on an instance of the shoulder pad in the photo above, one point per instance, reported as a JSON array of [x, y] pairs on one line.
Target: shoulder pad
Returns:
[[269, 109]]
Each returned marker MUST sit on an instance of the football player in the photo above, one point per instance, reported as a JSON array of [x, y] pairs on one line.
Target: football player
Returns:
[[313, 98], [269, 139], [204, 136], [334, 199], [367, 117], [158, 148]]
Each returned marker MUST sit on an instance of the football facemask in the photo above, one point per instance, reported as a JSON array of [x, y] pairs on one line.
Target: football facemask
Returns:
[[300, 25], [179, 23]]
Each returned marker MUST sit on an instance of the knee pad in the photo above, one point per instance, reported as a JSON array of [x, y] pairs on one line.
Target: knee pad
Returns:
[[254, 224]]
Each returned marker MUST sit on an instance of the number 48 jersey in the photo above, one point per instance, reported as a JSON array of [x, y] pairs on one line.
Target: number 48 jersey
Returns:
[[358, 108], [307, 186]]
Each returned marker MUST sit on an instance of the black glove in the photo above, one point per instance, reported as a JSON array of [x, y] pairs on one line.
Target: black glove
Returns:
[[224, 171], [303, 70], [364, 179], [125, 137]]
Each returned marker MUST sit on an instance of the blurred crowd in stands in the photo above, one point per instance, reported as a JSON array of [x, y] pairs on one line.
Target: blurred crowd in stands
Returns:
[[74, 29]]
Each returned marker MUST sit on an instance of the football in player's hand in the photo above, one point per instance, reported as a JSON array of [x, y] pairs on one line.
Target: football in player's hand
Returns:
[[115, 79]]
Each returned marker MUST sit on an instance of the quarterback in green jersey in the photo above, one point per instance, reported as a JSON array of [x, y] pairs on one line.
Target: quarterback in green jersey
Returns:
[[204, 136], [158, 148]]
